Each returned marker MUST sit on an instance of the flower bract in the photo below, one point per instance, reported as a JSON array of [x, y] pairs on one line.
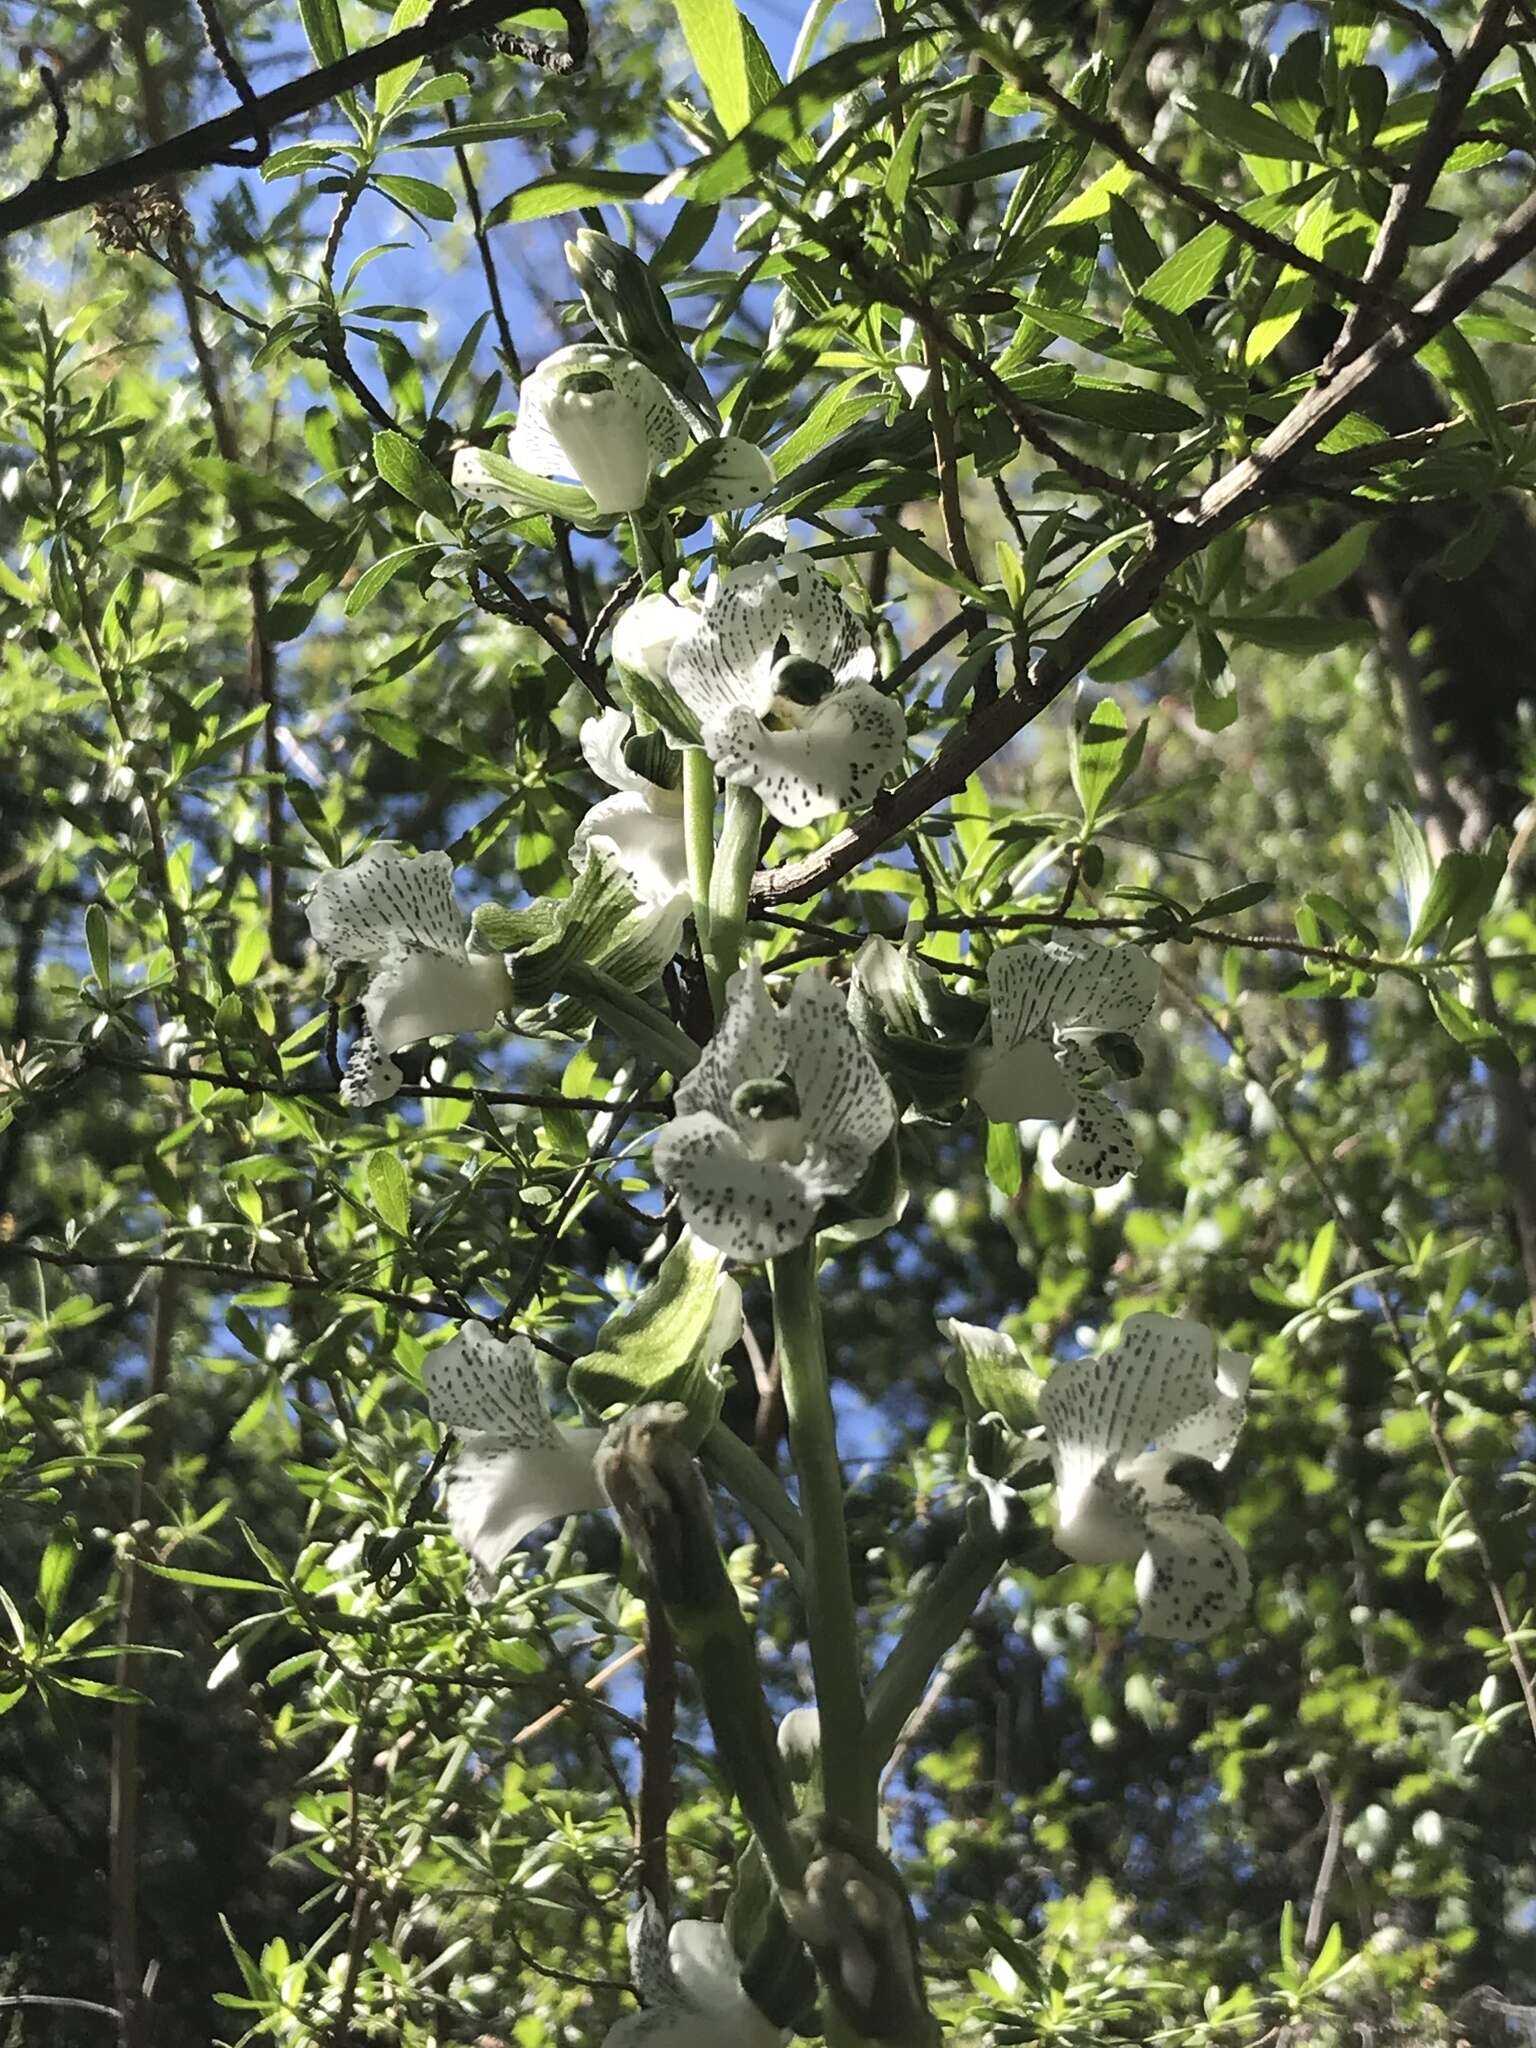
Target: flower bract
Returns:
[[1063, 1011], [515, 1467], [780, 676], [642, 824], [1119, 1429], [395, 913], [595, 414], [784, 1109], [689, 1984]]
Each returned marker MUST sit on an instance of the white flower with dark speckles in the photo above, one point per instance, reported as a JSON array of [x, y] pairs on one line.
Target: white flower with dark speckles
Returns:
[[780, 676], [515, 1467], [1119, 1427], [643, 824], [784, 1109], [597, 415], [646, 632], [1064, 1009], [395, 913], [688, 1982]]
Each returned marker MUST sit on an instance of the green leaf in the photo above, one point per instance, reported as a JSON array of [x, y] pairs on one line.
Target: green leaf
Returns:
[[405, 469], [1135, 652], [1326, 570], [98, 945], [390, 1191], [1292, 635], [774, 130], [468, 132], [383, 571], [435, 201], [1103, 755], [667, 1344], [567, 192], [1459, 896], [713, 30], [322, 26], [391, 84], [996, 1372], [1189, 273], [55, 1572], [1005, 1159], [1245, 128]]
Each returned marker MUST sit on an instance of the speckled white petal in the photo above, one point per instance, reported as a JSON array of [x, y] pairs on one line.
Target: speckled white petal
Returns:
[[649, 845], [723, 658], [650, 1962], [415, 995], [384, 902], [371, 1076], [749, 1045], [748, 1208], [1161, 1372], [602, 747], [1099, 1520], [471, 479], [1068, 983], [1193, 1580], [1019, 1080], [1098, 1146], [845, 1106], [496, 1491], [478, 1381], [704, 1966], [610, 440], [835, 761], [1211, 1432], [645, 635]]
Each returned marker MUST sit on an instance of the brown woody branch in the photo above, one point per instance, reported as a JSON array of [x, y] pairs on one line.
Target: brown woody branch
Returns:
[[209, 143], [1234, 497]]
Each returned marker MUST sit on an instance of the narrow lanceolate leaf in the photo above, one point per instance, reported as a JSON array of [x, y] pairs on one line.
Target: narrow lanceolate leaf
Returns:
[[716, 43], [405, 469], [1104, 754], [322, 26], [391, 1191], [567, 192]]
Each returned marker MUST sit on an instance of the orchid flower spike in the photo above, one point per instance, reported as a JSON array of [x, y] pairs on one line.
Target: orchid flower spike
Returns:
[[1119, 1427], [591, 413], [784, 1109], [515, 1466], [780, 676], [1063, 1012], [689, 1985], [642, 825], [396, 914]]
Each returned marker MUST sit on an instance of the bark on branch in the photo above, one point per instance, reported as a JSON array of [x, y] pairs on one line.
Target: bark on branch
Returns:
[[199, 148]]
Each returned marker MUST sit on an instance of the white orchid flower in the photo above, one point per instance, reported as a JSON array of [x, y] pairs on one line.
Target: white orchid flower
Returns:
[[642, 825], [689, 1984], [1118, 1427], [395, 913], [591, 413], [784, 1109], [779, 674], [646, 633], [1056, 1004], [515, 1467]]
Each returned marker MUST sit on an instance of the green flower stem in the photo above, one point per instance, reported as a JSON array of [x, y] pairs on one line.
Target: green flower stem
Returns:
[[655, 548], [937, 1624], [735, 865], [833, 1618], [640, 1024], [764, 1502], [699, 834]]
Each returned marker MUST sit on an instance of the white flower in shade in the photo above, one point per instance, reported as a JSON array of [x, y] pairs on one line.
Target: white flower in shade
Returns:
[[595, 414], [643, 824], [688, 1982], [644, 636], [784, 1109], [515, 1467], [1063, 1010], [1118, 1427], [780, 676], [395, 913]]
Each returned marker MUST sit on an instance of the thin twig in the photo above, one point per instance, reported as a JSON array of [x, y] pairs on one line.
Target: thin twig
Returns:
[[197, 148], [654, 1807], [234, 71], [55, 97]]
